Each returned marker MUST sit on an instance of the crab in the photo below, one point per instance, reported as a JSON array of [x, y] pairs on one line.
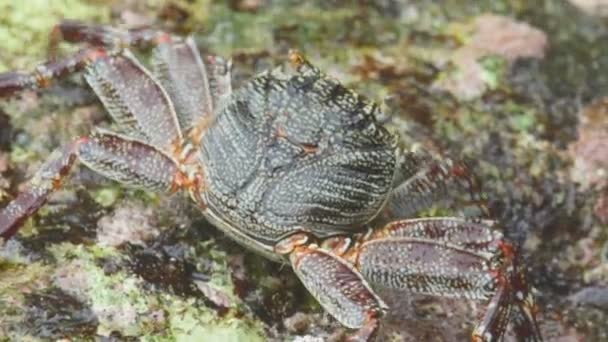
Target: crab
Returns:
[[292, 165]]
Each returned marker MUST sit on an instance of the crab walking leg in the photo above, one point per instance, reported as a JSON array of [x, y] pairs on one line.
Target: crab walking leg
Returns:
[[127, 161], [14, 82], [76, 32], [98, 36], [452, 257], [523, 319], [220, 82], [102, 35], [136, 101], [427, 267], [512, 303], [495, 319], [523, 315], [177, 64], [197, 88], [436, 268], [479, 238], [182, 73], [339, 288], [423, 182], [472, 235]]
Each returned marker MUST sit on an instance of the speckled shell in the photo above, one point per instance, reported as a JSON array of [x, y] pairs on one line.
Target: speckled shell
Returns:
[[295, 150]]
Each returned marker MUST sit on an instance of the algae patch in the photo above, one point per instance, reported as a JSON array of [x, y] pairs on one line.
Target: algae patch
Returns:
[[25, 27]]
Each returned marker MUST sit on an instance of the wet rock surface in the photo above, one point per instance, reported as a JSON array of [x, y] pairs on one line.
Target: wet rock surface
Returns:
[[102, 261]]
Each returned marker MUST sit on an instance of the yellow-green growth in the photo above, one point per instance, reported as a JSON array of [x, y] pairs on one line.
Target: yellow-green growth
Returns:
[[25, 27]]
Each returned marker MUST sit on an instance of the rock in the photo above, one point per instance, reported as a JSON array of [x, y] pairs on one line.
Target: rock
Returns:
[[246, 5], [297, 323], [592, 7], [493, 35], [590, 151], [133, 223], [215, 295], [73, 279], [506, 37], [135, 20], [600, 209], [308, 338], [593, 296]]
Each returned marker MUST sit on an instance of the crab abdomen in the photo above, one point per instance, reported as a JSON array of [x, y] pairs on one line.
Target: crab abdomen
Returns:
[[295, 150]]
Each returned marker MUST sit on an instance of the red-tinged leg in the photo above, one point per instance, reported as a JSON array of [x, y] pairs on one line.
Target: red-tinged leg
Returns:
[[127, 161], [512, 303], [496, 317], [12, 83], [46, 180], [99, 36], [523, 319], [523, 314], [103, 35], [338, 287]]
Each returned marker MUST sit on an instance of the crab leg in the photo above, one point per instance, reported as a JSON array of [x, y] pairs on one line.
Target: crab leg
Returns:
[[103, 35], [513, 303], [523, 315], [181, 71], [197, 88], [424, 182], [465, 233], [99, 36], [122, 159], [449, 257], [14, 82], [338, 287], [136, 101]]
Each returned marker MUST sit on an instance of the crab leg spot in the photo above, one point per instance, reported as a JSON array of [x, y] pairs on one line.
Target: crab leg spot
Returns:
[[14, 82], [340, 289], [136, 100], [475, 236], [426, 266]]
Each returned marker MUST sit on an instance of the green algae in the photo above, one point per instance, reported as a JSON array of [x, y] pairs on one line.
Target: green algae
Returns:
[[16, 280], [25, 27], [494, 71], [122, 306], [106, 197], [191, 323]]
